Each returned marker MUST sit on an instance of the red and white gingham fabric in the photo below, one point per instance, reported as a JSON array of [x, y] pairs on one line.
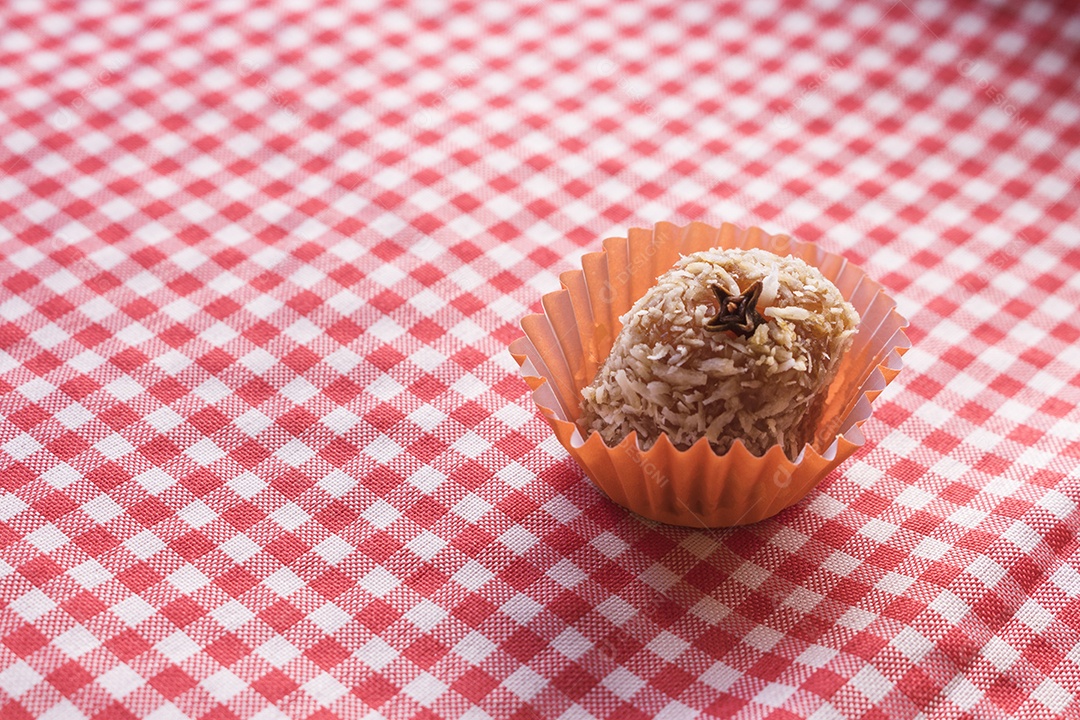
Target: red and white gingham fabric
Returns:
[[263, 451]]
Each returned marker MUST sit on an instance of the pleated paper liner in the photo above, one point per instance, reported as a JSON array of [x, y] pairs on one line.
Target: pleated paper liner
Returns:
[[565, 345]]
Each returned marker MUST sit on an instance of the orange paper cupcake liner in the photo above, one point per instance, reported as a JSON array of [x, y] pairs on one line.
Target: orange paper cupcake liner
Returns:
[[565, 345]]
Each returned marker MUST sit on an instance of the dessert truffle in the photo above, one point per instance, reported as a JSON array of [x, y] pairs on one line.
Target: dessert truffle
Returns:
[[729, 344]]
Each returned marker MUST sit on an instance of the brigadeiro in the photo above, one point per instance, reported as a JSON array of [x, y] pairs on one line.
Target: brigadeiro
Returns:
[[730, 344], [710, 376]]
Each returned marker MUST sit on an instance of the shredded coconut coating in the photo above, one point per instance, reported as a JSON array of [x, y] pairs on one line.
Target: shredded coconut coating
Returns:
[[668, 374]]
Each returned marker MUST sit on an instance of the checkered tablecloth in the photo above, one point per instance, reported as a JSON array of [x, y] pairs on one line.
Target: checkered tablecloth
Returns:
[[264, 453]]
